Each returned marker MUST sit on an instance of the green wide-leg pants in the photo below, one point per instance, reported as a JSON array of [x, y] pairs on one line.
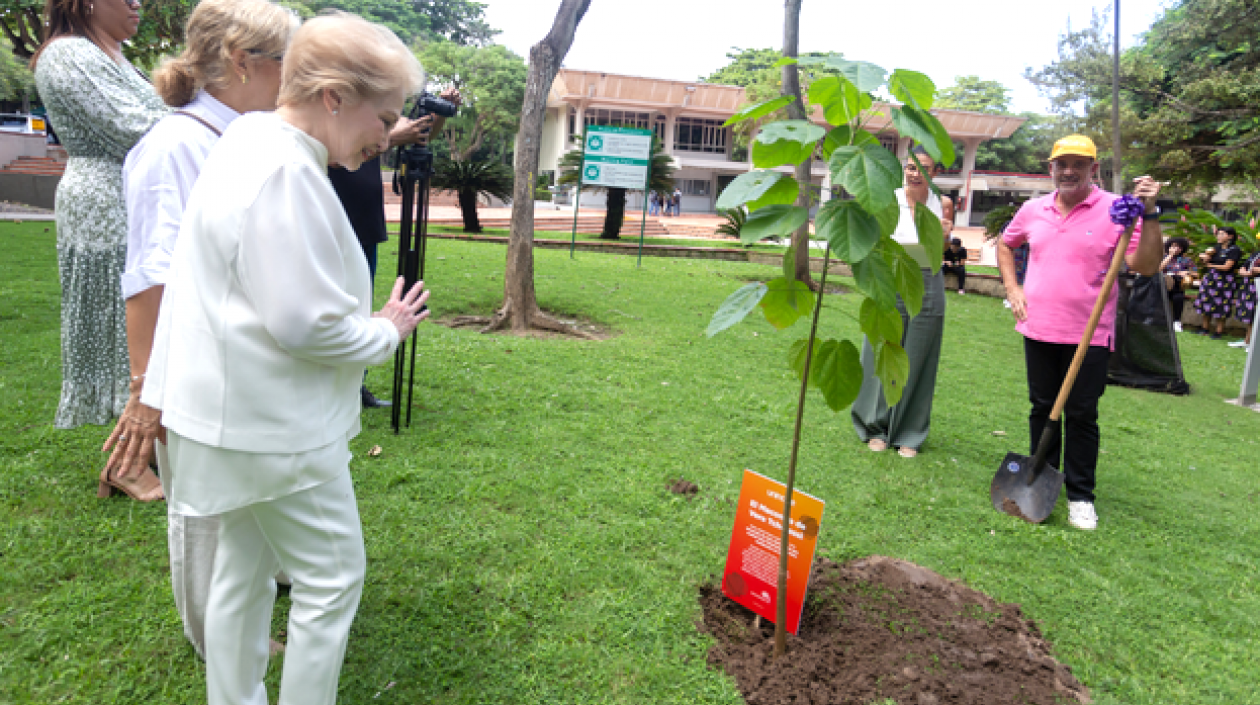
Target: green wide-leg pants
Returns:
[[905, 425]]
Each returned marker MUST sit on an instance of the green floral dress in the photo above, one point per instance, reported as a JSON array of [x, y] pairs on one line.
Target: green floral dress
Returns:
[[100, 109]]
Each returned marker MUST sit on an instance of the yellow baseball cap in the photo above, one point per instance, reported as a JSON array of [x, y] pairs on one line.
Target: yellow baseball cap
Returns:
[[1074, 145]]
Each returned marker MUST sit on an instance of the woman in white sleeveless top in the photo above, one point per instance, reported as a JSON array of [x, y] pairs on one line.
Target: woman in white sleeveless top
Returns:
[[905, 426]]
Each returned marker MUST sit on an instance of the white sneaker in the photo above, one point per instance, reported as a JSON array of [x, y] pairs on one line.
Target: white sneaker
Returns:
[[1177, 326], [1082, 515], [1238, 344], [1006, 303], [962, 292]]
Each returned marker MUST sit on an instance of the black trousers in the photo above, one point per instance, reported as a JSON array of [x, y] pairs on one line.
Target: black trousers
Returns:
[[1177, 298], [959, 271], [1047, 365]]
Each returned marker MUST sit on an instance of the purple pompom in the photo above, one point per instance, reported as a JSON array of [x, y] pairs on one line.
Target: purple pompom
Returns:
[[1126, 210]]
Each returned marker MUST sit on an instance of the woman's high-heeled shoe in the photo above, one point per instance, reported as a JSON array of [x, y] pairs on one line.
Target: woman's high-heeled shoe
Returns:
[[146, 488]]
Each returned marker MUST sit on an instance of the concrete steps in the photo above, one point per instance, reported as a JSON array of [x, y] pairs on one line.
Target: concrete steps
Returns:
[[43, 166]]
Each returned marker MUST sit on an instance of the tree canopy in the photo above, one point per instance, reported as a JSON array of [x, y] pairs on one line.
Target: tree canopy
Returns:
[[975, 94], [161, 28], [458, 21], [491, 81], [1190, 92]]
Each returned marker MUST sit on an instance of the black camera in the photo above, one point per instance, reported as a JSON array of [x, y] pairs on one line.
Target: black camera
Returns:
[[427, 103]]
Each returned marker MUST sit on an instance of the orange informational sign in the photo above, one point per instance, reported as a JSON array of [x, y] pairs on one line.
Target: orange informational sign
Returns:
[[751, 577]]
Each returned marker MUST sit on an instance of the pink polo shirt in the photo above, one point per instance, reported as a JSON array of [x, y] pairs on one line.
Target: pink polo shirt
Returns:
[[1067, 262]]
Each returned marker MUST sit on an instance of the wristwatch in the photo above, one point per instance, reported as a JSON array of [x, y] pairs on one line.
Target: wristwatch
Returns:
[[1151, 214]]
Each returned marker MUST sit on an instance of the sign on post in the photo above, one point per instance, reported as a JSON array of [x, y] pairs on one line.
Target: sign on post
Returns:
[[615, 157], [751, 577]]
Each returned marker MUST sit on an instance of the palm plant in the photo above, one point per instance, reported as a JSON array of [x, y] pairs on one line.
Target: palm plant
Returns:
[[470, 179], [735, 218], [660, 179]]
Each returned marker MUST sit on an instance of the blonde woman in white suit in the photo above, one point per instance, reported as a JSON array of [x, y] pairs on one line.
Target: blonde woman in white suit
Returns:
[[264, 332]]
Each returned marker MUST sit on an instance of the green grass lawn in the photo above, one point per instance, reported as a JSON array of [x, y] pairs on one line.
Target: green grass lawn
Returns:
[[523, 547], [627, 239]]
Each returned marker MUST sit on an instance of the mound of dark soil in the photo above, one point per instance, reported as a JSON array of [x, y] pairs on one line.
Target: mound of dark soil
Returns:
[[684, 487], [880, 628]]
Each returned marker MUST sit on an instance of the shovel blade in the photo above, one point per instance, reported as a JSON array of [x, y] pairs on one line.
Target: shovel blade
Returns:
[[1012, 494]]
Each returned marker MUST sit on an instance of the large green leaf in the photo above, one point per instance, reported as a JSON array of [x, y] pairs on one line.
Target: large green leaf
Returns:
[[789, 264], [736, 307], [783, 192], [869, 172], [850, 232], [845, 136], [907, 275], [880, 323], [761, 109], [836, 370], [892, 366], [922, 126], [786, 301], [841, 101], [746, 187], [785, 61], [874, 277], [912, 88], [865, 75], [785, 142], [888, 218], [796, 357], [772, 221], [931, 235]]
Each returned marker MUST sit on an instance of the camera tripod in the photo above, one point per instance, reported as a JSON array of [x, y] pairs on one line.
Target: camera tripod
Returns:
[[411, 181]]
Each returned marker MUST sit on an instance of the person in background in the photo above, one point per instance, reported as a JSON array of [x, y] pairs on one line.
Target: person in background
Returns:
[[362, 196], [906, 425], [1219, 289], [1178, 270], [1072, 239], [102, 106], [230, 65], [676, 202], [263, 334], [1245, 308], [654, 202], [956, 263]]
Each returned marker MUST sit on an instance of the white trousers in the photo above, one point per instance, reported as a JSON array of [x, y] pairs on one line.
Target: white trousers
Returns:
[[316, 538], [192, 541]]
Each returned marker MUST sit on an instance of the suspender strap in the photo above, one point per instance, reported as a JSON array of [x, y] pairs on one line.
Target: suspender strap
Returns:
[[217, 132]]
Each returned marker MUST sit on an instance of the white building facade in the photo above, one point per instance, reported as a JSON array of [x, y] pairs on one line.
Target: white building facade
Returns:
[[688, 117]]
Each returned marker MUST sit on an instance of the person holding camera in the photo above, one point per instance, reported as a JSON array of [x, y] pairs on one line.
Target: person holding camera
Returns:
[[1219, 288], [1178, 270], [264, 332], [362, 195]]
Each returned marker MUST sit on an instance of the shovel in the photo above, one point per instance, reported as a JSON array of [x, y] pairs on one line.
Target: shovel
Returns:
[[1026, 487]]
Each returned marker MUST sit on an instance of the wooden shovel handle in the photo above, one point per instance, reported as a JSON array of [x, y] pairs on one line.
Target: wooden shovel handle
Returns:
[[1083, 347]]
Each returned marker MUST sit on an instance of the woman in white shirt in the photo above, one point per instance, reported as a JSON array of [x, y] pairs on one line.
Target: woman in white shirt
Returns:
[[263, 335], [905, 426], [230, 65]]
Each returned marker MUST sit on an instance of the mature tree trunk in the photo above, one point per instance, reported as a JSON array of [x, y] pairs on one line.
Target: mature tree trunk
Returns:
[[615, 215], [520, 304], [468, 208], [796, 111]]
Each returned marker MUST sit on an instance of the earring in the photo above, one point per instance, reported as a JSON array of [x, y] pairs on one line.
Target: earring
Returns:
[[336, 111], [91, 8], [244, 79]]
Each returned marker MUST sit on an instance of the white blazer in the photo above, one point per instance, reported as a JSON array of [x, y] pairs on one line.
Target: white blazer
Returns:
[[265, 327]]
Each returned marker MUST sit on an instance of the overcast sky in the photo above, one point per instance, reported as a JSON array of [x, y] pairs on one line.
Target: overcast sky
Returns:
[[688, 39]]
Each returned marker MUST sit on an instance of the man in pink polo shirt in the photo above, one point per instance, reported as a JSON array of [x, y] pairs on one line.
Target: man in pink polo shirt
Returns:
[[1071, 239]]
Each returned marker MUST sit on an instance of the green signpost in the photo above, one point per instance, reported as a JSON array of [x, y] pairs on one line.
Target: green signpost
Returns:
[[615, 157]]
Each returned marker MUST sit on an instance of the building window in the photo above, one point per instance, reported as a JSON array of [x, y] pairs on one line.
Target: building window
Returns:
[[694, 187], [889, 142], [699, 135], [658, 127]]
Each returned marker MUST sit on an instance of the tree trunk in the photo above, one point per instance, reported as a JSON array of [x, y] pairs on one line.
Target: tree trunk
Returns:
[[468, 208], [796, 111], [520, 304], [616, 214]]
